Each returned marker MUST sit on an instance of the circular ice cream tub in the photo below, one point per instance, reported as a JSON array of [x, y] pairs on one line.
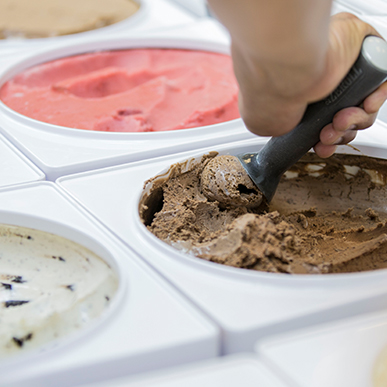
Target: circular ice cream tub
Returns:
[[91, 149], [111, 44], [126, 25], [93, 327], [366, 278]]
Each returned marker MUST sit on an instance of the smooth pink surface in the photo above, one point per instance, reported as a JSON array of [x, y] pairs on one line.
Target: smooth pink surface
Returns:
[[139, 90]]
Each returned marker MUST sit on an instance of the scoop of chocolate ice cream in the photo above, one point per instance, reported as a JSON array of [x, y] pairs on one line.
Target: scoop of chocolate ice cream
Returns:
[[225, 180]]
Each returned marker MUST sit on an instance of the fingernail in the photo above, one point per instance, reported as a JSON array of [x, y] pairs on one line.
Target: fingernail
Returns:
[[338, 141], [352, 127]]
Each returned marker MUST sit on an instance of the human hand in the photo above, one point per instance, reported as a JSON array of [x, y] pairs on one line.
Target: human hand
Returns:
[[343, 129], [274, 93]]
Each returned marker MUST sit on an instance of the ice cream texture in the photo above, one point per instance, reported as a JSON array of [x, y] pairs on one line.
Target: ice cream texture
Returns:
[[46, 18], [50, 287], [225, 180], [327, 216], [137, 90]]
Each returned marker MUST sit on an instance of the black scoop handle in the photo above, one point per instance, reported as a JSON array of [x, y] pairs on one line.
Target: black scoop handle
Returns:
[[280, 153]]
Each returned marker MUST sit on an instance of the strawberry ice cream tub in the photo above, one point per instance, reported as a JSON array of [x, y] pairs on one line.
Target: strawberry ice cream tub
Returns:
[[113, 100]]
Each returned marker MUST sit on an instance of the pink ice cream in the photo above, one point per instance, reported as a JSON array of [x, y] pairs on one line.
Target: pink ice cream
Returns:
[[139, 90]]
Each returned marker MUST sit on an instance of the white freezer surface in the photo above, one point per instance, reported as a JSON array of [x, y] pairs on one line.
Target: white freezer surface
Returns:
[[229, 371], [152, 327], [362, 8], [198, 8], [336, 354], [247, 305], [15, 168]]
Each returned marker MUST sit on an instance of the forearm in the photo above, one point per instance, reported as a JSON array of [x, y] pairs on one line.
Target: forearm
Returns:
[[282, 31]]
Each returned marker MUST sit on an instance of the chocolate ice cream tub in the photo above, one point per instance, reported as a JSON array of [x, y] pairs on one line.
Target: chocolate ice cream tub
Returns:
[[347, 352], [247, 304], [16, 168], [60, 150], [52, 286], [77, 306]]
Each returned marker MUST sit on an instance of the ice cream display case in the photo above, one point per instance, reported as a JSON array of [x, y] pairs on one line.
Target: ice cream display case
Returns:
[[77, 306], [168, 284], [60, 150], [247, 304]]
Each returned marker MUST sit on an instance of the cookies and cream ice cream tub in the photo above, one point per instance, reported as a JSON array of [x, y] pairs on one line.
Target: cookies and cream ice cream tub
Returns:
[[77, 305], [51, 286]]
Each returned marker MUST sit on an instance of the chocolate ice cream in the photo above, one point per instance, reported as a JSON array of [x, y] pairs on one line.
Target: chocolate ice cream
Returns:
[[225, 180], [327, 216]]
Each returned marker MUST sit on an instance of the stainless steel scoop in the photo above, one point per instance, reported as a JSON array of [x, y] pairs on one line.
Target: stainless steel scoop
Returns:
[[266, 167]]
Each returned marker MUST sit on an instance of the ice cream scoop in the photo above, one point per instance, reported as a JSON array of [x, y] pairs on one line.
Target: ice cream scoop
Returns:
[[225, 180], [266, 167]]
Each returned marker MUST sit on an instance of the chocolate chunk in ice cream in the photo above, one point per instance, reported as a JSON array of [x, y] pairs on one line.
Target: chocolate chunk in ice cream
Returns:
[[50, 287], [327, 216]]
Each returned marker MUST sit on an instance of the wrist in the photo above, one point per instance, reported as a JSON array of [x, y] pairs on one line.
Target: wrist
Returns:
[[268, 115], [273, 96]]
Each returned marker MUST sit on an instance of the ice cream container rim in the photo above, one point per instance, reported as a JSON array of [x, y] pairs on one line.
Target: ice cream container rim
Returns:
[[127, 23], [370, 326], [109, 44], [315, 280], [98, 324]]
